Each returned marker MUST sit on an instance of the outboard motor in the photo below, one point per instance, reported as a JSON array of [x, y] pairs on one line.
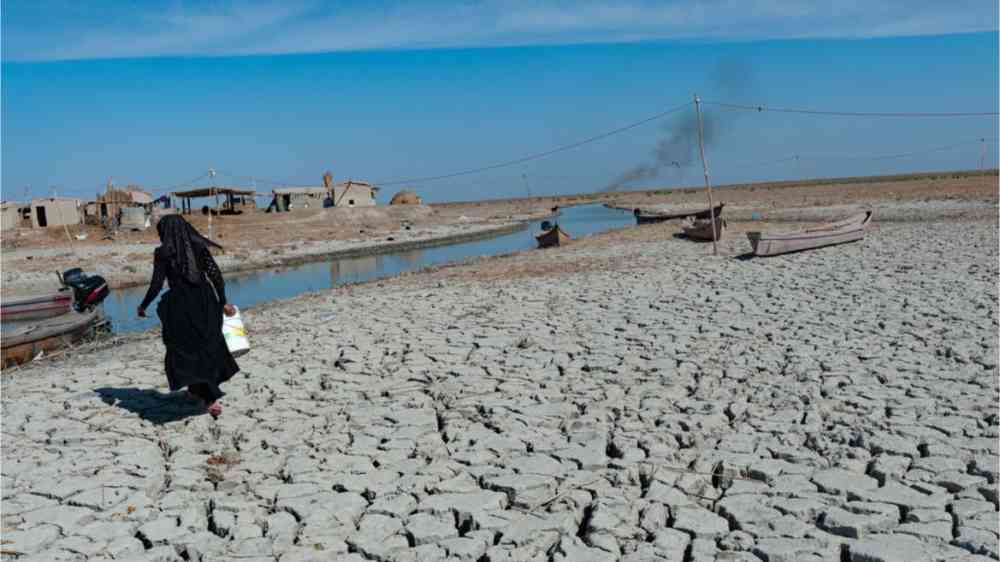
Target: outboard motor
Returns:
[[72, 276], [88, 290]]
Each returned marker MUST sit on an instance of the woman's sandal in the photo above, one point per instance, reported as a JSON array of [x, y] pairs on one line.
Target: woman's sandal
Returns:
[[215, 409]]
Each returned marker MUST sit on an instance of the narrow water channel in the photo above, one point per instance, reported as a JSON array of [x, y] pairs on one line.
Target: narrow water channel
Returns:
[[249, 289]]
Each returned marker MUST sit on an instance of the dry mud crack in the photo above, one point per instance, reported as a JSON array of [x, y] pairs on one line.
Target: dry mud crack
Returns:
[[838, 405]]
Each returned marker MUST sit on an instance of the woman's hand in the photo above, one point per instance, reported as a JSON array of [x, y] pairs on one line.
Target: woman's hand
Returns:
[[141, 312], [229, 309]]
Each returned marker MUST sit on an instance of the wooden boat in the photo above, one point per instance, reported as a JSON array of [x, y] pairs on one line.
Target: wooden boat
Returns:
[[849, 229], [618, 207], [554, 236], [647, 217], [36, 307], [701, 229], [23, 344]]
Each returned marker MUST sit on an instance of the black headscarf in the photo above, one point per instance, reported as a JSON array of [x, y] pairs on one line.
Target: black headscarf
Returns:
[[181, 245]]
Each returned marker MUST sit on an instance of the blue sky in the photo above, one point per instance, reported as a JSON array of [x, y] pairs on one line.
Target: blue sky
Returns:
[[156, 93]]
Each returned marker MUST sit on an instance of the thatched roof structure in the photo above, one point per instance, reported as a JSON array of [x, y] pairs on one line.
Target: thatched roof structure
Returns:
[[405, 198], [210, 191], [128, 196]]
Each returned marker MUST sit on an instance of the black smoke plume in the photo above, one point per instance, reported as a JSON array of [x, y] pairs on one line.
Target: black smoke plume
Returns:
[[677, 149]]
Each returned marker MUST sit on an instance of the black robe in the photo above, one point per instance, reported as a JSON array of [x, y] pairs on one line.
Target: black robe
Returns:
[[191, 315]]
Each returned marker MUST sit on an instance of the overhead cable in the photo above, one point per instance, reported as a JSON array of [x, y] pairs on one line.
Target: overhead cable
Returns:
[[538, 155], [763, 108]]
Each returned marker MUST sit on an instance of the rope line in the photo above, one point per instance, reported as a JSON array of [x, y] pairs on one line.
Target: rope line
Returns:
[[538, 155], [808, 157], [761, 108]]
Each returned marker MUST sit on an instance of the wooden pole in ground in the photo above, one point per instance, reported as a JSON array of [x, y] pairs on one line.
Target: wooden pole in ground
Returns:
[[708, 186], [211, 174], [210, 237]]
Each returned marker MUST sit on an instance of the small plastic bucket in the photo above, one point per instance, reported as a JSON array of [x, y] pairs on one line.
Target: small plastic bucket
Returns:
[[235, 334]]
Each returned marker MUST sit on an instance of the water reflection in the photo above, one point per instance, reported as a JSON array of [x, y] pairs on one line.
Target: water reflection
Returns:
[[349, 270], [410, 258]]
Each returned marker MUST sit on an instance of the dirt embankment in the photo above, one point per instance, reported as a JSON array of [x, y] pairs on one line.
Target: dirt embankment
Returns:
[[957, 186], [258, 240]]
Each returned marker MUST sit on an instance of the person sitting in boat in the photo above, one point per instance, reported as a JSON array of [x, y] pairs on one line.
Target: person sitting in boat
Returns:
[[191, 312]]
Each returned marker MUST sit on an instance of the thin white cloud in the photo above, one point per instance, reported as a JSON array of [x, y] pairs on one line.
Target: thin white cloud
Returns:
[[251, 27]]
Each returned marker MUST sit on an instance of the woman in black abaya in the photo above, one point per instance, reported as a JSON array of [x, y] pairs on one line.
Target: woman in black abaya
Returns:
[[191, 312]]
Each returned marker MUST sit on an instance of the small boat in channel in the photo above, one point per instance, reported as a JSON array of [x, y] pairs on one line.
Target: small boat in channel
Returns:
[[553, 237]]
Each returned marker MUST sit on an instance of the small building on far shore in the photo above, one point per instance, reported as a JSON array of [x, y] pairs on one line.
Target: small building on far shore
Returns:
[[353, 193], [55, 211], [10, 216], [292, 198], [113, 201], [349, 193]]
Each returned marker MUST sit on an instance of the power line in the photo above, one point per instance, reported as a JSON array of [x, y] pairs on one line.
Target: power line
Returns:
[[749, 164], [538, 155], [801, 156], [761, 108], [258, 179], [904, 154], [186, 184]]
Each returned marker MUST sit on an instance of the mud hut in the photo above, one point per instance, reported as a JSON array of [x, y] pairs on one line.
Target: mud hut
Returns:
[[11, 216], [353, 193], [295, 198], [55, 211], [113, 201], [406, 198]]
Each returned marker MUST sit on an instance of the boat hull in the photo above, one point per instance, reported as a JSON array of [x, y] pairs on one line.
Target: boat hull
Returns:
[[36, 307], [701, 229], [552, 237], [23, 345], [642, 217], [848, 230]]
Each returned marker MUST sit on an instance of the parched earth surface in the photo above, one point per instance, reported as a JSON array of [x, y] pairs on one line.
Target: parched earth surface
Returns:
[[635, 400]]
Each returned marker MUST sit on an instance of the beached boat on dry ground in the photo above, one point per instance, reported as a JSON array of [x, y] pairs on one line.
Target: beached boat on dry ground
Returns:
[[82, 319], [74, 285], [701, 229], [25, 343], [554, 236], [36, 307], [647, 217], [848, 229]]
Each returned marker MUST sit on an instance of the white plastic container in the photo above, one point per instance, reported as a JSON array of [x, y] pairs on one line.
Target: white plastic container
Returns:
[[235, 334]]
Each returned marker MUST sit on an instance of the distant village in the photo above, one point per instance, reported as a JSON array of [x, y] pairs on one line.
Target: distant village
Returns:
[[133, 208]]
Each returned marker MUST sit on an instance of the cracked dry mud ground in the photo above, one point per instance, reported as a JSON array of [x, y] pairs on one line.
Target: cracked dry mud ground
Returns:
[[832, 405]]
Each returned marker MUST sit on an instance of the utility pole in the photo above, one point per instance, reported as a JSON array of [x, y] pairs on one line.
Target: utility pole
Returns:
[[982, 155], [526, 186], [704, 166]]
